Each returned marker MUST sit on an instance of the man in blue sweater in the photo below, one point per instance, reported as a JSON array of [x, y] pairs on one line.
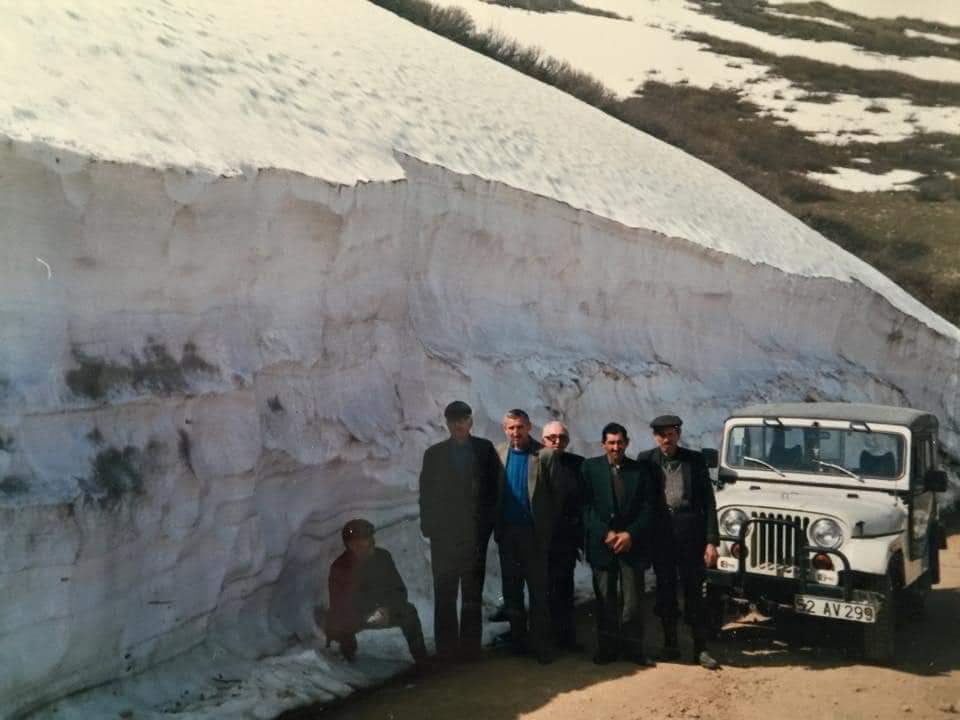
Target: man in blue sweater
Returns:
[[524, 530]]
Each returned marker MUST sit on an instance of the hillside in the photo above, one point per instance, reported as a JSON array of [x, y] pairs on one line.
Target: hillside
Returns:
[[847, 122]]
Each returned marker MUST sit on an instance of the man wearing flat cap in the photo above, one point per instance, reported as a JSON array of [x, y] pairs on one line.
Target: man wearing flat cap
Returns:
[[685, 536], [458, 499], [367, 593]]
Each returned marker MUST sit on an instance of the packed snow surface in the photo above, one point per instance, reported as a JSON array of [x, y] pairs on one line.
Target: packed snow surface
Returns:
[[936, 37], [854, 180], [333, 90]]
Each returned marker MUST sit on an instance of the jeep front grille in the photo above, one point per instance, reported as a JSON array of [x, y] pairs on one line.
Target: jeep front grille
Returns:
[[772, 547]]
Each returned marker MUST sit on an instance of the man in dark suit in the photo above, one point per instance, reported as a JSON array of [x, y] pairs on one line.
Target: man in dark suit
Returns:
[[524, 531], [567, 535], [685, 537], [618, 509], [458, 495]]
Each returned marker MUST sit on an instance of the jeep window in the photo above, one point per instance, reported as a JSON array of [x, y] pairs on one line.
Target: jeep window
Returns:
[[813, 450]]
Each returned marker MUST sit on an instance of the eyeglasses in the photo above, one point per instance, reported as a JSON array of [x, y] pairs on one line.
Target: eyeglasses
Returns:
[[556, 438]]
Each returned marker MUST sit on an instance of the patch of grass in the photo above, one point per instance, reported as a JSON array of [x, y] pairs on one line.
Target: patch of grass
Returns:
[[185, 448], [154, 371], [545, 6], [817, 76], [881, 35], [116, 472], [937, 189], [14, 485]]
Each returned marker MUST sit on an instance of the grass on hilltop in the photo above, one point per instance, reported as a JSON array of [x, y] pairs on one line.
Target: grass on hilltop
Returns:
[[545, 6]]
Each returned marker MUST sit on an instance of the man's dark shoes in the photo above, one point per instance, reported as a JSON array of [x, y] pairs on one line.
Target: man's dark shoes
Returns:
[[545, 658], [706, 660], [640, 659], [669, 653], [604, 657]]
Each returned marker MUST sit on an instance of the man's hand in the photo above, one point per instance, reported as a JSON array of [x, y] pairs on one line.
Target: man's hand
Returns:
[[710, 556], [622, 543], [379, 617], [609, 538]]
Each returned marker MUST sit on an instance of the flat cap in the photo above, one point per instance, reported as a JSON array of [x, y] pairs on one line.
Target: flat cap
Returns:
[[666, 421], [357, 529], [457, 410]]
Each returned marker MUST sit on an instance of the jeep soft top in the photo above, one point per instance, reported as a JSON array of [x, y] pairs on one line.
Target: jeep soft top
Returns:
[[916, 420]]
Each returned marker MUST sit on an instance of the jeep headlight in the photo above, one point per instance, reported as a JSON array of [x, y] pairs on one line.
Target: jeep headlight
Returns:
[[731, 521], [826, 533]]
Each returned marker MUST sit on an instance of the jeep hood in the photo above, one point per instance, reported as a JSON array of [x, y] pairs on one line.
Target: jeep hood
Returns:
[[879, 512]]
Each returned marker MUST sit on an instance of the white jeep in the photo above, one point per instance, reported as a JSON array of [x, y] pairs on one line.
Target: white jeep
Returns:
[[830, 509]]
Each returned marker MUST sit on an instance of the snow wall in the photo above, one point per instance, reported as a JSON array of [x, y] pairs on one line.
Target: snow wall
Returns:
[[201, 379]]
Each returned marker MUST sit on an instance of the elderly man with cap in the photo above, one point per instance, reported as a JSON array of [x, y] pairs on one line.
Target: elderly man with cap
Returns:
[[567, 534], [685, 538], [458, 496], [367, 593]]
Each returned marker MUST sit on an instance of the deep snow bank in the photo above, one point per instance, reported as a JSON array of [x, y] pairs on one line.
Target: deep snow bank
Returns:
[[204, 372], [207, 386]]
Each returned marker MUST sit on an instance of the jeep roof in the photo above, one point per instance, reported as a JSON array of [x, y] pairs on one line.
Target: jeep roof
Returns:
[[863, 412]]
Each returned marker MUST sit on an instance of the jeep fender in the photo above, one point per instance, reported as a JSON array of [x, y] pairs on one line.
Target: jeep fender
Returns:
[[872, 555]]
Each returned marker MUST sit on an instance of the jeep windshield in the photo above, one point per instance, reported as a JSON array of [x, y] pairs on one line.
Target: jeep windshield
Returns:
[[854, 452]]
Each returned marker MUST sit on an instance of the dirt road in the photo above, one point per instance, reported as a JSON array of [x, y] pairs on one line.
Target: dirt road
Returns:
[[817, 675]]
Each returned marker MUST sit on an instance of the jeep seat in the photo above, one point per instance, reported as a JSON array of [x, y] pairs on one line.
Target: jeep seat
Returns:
[[880, 465]]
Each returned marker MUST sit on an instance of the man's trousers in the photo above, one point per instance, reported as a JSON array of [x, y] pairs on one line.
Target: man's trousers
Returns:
[[458, 567], [619, 591], [524, 563]]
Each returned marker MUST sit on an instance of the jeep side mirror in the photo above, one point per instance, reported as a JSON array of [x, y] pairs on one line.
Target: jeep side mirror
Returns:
[[711, 457], [935, 481], [725, 476]]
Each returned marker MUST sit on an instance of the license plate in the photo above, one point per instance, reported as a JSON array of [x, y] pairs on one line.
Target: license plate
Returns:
[[826, 607]]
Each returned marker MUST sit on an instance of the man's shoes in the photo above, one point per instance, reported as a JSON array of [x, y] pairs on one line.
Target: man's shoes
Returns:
[[706, 660], [669, 653], [571, 646], [470, 655], [604, 657], [545, 658], [640, 659]]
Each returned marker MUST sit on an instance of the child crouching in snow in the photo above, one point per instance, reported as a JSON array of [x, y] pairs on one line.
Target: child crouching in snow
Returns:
[[367, 593]]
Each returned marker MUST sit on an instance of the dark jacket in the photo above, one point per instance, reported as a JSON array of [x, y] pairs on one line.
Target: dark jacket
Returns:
[[568, 504], [600, 513], [455, 505], [695, 523], [540, 489], [359, 588]]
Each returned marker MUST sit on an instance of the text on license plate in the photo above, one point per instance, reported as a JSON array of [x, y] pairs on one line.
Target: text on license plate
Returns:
[[827, 607]]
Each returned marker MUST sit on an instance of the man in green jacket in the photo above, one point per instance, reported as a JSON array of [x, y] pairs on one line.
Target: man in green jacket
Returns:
[[620, 498]]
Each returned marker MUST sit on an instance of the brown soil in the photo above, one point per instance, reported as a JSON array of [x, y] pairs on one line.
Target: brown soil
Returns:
[[806, 670]]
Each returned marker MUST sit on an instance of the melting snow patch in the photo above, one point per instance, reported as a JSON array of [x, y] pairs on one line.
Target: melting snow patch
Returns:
[[854, 180], [945, 39]]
